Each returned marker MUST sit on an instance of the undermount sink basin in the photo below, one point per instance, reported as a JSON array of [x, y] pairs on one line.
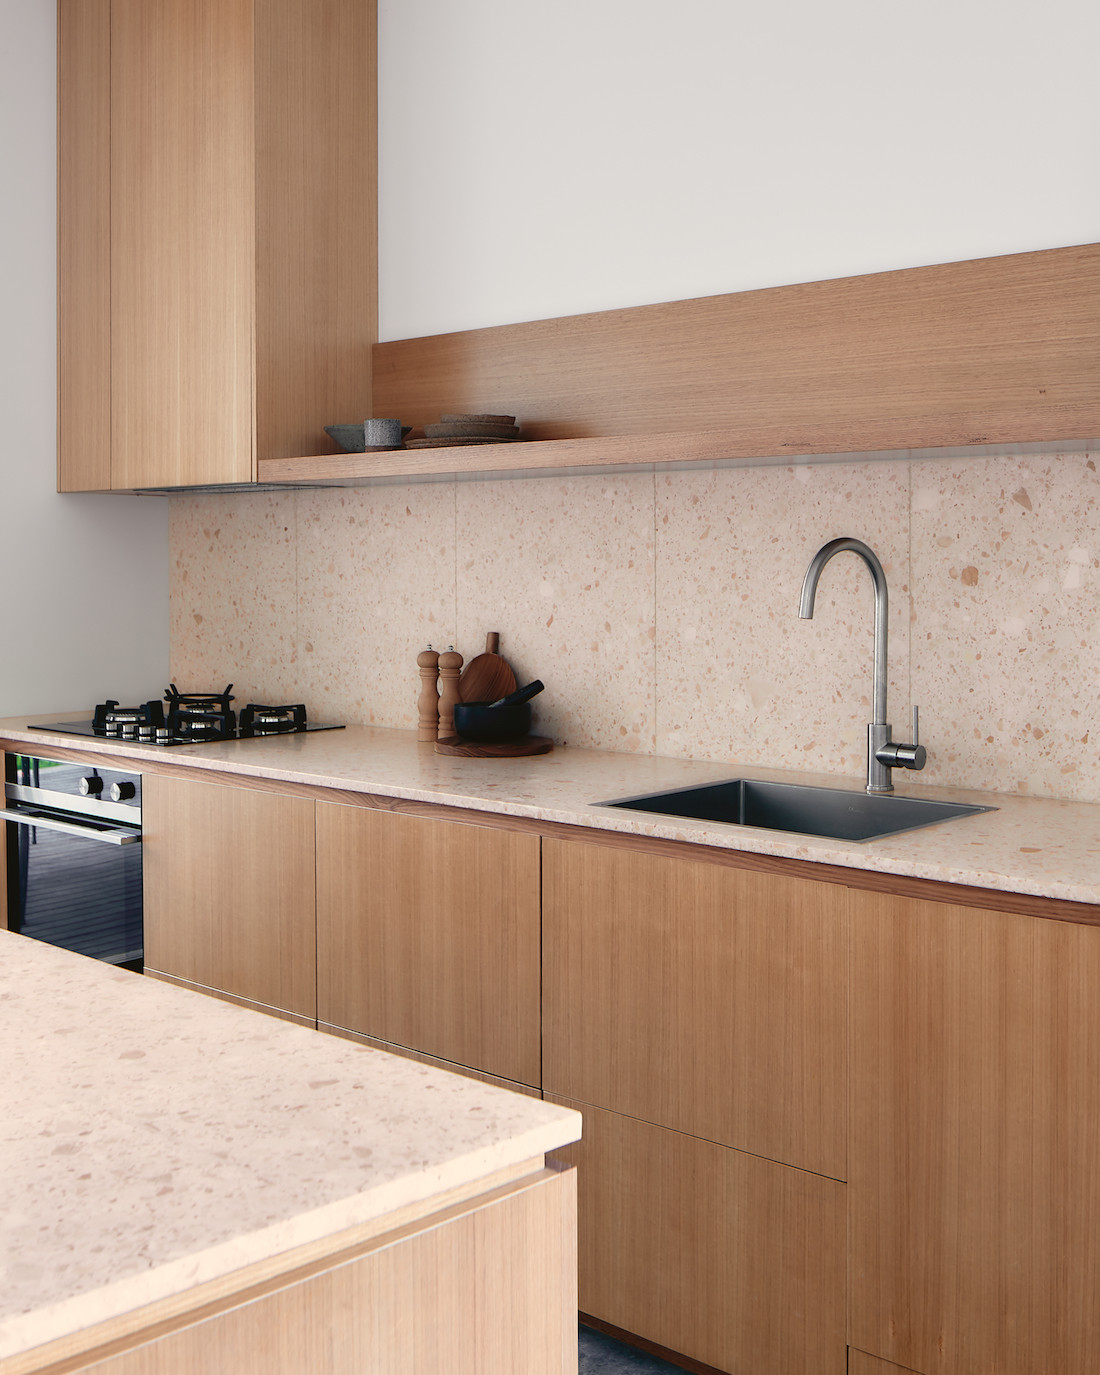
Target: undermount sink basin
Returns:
[[835, 813]]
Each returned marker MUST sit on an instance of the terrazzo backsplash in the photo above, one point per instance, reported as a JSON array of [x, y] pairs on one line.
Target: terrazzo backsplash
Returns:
[[661, 610]]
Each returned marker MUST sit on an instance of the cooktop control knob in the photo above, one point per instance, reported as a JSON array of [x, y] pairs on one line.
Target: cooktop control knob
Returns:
[[122, 792], [91, 786]]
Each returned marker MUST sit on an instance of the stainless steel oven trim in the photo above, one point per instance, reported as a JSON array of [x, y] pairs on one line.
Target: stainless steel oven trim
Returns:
[[72, 802], [106, 835]]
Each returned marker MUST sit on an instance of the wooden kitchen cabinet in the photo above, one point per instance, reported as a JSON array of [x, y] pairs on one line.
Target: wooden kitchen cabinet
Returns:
[[690, 1007], [428, 937], [974, 1185], [229, 891], [714, 1253], [698, 996], [217, 240]]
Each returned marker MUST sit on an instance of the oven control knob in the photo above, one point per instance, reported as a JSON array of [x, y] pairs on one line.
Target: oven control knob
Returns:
[[122, 792], [91, 786]]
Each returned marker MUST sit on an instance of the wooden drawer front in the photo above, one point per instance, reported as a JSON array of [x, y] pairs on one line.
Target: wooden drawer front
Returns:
[[229, 890], [699, 997], [732, 1260], [428, 936], [975, 1168]]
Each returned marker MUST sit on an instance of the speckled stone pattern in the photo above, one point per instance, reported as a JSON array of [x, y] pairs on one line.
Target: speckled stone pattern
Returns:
[[1042, 846], [154, 1138], [661, 610]]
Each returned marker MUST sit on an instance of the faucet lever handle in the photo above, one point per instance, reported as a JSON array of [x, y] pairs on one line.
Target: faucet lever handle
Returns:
[[916, 726]]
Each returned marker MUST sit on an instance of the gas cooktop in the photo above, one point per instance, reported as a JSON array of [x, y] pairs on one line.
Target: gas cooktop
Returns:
[[193, 718]]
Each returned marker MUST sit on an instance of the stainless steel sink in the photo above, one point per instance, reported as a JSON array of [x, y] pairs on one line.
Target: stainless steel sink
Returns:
[[835, 813]]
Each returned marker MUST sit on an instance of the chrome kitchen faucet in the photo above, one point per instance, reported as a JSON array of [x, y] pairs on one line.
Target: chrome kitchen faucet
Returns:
[[883, 754]]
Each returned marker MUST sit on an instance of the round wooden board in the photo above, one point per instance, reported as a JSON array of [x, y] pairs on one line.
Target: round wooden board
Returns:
[[503, 749]]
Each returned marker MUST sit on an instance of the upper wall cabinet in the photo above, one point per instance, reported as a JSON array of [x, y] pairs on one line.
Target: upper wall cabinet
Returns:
[[217, 235]]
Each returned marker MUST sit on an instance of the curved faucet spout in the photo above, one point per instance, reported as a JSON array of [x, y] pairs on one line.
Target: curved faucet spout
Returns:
[[809, 591]]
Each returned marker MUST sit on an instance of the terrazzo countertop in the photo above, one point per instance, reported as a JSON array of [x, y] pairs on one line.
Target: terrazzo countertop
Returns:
[[154, 1138], [1039, 846]]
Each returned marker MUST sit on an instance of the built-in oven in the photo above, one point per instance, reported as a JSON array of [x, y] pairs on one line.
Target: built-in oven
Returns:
[[73, 842]]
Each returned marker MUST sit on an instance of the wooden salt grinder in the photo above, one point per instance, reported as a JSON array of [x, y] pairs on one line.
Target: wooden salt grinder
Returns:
[[450, 665], [427, 725]]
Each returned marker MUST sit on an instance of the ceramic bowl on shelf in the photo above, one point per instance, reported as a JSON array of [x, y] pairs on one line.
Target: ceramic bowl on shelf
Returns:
[[352, 438]]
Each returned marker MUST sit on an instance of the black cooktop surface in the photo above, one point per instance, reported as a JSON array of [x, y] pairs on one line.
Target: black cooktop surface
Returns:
[[254, 732]]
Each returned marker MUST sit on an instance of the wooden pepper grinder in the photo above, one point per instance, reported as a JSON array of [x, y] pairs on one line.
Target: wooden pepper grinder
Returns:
[[427, 726], [450, 665]]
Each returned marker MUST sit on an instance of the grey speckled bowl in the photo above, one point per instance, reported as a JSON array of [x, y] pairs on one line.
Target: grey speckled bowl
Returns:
[[349, 437]]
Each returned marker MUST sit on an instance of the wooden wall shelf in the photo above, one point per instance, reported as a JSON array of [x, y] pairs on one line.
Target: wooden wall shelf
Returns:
[[573, 457], [970, 358]]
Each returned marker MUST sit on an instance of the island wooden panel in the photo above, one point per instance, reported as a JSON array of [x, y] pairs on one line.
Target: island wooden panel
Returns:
[[428, 937], [699, 997], [732, 1260], [182, 213], [84, 244], [486, 1287], [1002, 349], [974, 1185], [229, 890]]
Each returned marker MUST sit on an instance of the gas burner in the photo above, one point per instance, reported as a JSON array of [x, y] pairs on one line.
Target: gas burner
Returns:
[[194, 716], [130, 723], [263, 720]]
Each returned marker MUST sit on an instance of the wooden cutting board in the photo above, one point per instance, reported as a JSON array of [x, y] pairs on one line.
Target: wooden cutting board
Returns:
[[487, 677], [501, 749]]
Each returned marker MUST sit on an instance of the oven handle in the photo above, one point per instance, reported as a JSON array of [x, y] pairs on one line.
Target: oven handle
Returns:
[[106, 836]]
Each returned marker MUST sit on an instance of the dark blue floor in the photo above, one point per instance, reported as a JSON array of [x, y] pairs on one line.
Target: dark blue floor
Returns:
[[602, 1355]]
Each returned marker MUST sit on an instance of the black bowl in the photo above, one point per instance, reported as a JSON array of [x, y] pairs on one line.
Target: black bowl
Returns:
[[488, 724]]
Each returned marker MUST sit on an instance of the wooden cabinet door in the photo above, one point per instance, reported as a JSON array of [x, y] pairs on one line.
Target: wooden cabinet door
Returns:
[[732, 1260], [974, 1193], [217, 300], [182, 243], [698, 996], [229, 890], [428, 936]]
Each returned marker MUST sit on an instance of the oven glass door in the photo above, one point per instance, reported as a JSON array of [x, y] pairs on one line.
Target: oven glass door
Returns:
[[75, 883]]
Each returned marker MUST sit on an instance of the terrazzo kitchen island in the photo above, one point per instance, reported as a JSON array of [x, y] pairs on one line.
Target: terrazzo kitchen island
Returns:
[[189, 1185]]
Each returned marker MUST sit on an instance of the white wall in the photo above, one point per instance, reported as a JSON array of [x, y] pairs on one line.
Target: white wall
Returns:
[[543, 159], [84, 590]]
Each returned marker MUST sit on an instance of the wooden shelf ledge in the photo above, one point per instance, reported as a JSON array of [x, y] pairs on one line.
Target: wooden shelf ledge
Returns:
[[634, 453]]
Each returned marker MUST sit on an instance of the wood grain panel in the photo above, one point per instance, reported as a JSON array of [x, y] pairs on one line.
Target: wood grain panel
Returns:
[[928, 356], [229, 890], [859, 1363], [975, 1111], [316, 220], [182, 210], [428, 937], [490, 1288], [701, 998], [84, 245], [434, 1060], [732, 1260]]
